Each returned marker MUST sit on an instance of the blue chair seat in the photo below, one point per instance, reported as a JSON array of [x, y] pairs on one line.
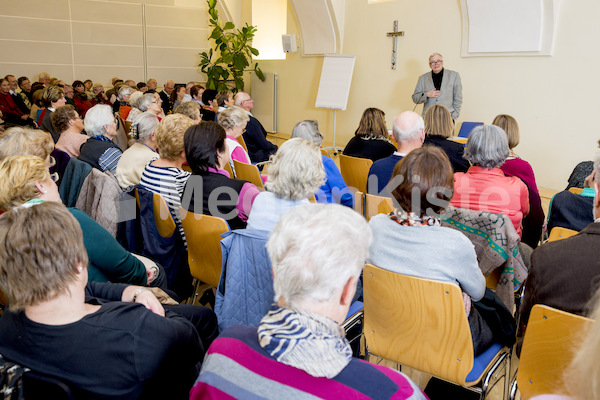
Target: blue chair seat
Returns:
[[482, 361]]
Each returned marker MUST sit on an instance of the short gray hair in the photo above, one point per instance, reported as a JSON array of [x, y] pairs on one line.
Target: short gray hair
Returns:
[[308, 130], [124, 91], [190, 109], [135, 97], [145, 101], [487, 146], [96, 118], [309, 270], [436, 54], [143, 125], [403, 135], [296, 171], [232, 117]]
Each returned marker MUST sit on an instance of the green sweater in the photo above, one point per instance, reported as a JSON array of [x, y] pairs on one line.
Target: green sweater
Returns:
[[108, 260]]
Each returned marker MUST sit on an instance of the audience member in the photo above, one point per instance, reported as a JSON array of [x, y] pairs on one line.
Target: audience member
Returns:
[[11, 113], [234, 121], [177, 96], [112, 92], [100, 151], [135, 107], [52, 97], [295, 174], [564, 274], [259, 148], [165, 96], [371, 139], [409, 133], [131, 84], [439, 128], [99, 96], [22, 102], [190, 109], [44, 78], [516, 166], [334, 189], [69, 125], [88, 84], [207, 154], [196, 93], [404, 240], [45, 282], [300, 337], [138, 155], [165, 175], [25, 85], [37, 105], [142, 87], [151, 102], [80, 98], [69, 94], [209, 107], [188, 88], [152, 84], [484, 186], [224, 100], [122, 105]]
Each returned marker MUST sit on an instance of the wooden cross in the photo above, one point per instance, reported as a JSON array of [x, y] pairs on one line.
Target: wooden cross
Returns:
[[394, 36]]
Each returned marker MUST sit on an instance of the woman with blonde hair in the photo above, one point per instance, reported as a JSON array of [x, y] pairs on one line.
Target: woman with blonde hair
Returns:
[[295, 174], [165, 175], [516, 166], [439, 128], [371, 139]]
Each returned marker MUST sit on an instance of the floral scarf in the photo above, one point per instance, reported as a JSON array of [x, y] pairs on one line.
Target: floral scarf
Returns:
[[307, 341], [411, 219]]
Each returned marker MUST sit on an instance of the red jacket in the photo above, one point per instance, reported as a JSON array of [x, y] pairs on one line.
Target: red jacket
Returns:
[[9, 107]]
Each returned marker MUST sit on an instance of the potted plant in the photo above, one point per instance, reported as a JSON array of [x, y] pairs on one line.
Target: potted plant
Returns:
[[232, 51]]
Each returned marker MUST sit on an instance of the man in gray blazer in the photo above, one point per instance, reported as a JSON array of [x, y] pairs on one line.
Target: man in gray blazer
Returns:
[[440, 86]]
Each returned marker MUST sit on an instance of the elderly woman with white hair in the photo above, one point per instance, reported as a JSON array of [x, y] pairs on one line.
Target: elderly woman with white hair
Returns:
[[100, 150], [122, 105], [300, 337], [484, 186], [234, 120], [133, 101], [334, 189], [295, 174], [151, 102], [144, 150]]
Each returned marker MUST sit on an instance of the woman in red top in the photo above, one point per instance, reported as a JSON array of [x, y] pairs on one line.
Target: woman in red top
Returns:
[[484, 186], [11, 113], [81, 99]]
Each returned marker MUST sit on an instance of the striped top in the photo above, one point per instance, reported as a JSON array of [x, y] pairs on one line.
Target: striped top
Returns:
[[237, 367], [169, 182], [110, 158]]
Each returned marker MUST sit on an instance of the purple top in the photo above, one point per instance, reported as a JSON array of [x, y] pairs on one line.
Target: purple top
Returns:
[[246, 197], [521, 169]]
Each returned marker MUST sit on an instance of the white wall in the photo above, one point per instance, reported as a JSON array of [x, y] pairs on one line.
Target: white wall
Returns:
[[553, 98]]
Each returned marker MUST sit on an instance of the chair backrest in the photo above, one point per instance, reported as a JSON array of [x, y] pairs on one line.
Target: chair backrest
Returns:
[[248, 172], [127, 126], [377, 205], [355, 171], [467, 127], [229, 170], [417, 322], [162, 216], [359, 198], [203, 234], [551, 339], [325, 153], [242, 142], [558, 233]]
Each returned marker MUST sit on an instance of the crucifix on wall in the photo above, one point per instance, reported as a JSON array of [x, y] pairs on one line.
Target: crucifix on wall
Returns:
[[394, 36]]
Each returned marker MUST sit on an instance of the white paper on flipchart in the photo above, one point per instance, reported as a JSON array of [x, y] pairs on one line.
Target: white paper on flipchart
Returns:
[[336, 78]]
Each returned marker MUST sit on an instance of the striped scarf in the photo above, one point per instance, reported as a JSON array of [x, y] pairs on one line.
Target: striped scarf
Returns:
[[310, 342]]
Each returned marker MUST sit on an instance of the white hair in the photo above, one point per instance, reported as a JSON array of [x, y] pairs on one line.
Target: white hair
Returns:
[[487, 146], [436, 54], [232, 117], [134, 98], [308, 130], [144, 102], [144, 124], [124, 91], [296, 171], [315, 249], [404, 135], [96, 118]]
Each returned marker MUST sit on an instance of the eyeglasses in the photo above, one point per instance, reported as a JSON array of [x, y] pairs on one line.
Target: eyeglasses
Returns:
[[436, 62], [55, 177]]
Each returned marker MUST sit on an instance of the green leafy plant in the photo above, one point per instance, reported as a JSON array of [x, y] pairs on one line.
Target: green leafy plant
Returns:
[[232, 52]]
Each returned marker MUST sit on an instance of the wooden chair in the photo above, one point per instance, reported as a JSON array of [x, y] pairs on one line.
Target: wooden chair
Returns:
[[229, 170], [551, 339], [162, 216], [242, 142], [377, 205], [422, 324], [203, 233], [248, 172], [127, 126], [325, 153], [558, 233], [355, 171], [575, 190]]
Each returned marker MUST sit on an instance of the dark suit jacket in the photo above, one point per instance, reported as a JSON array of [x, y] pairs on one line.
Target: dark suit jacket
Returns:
[[166, 102], [564, 274], [259, 148]]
